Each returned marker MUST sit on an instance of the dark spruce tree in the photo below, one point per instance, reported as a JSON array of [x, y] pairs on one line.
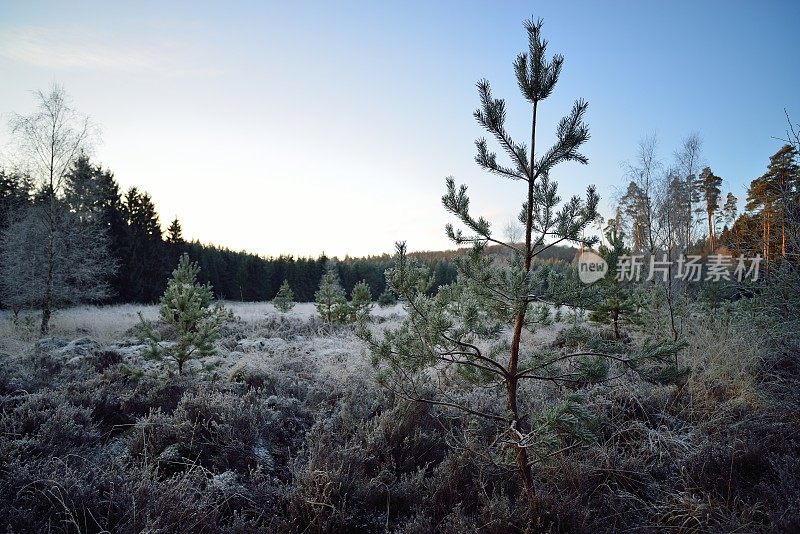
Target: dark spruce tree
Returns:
[[175, 232], [15, 195], [146, 265], [93, 194]]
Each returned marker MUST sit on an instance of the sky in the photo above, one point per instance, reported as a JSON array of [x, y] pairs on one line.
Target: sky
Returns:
[[309, 127]]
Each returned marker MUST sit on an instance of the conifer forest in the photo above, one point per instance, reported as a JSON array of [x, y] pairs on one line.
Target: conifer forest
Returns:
[[399, 268]]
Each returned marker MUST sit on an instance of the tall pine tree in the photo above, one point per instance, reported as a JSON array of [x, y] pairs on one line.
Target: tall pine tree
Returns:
[[711, 185]]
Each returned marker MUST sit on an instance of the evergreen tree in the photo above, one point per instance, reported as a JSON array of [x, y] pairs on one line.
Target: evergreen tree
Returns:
[[775, 196], [729, 209], [616, 303], [634, 206], [284, 299], [711, 190], [330, 299], [189, 308], [145, 267], [387, 298], [473, 329], [175, 232], [93, 194], [15, 194], [141, 215], [743, 235], [360, 301]]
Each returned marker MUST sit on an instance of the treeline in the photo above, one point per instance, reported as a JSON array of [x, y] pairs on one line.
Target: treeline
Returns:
[[770, 225], [144, 255], [679, 207]]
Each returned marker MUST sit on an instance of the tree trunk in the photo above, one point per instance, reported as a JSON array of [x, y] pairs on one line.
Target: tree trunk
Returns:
[[710, 232], [523, 466], [783, 238], [766, 241], [48, 297], [46, 312], [48, 289]]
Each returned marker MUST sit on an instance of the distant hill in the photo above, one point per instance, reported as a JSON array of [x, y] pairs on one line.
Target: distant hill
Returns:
[[554, 253]]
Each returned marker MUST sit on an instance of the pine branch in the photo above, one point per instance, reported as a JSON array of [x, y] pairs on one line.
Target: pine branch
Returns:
[[571, 134], [492, 116]]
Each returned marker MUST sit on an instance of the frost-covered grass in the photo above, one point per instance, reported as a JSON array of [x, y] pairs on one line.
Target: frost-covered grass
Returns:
[[285, 429], [107, 323]]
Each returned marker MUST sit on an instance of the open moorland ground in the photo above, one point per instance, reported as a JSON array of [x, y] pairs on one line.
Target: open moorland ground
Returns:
[[285, 429]]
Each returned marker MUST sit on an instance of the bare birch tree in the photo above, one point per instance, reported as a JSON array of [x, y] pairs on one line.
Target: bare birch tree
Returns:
[[58, 256]]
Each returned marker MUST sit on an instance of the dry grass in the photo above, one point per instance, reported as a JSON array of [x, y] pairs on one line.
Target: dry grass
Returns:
[[724, 357], [286, 430]]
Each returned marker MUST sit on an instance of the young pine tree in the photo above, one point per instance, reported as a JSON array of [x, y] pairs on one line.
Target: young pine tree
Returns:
[[284, 299], [360, 301], [481, 328], [387, 298], [330, 299], [616, 303], [189, 308]]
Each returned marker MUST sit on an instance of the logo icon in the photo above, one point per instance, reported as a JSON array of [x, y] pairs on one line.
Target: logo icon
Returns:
[[591, 267]]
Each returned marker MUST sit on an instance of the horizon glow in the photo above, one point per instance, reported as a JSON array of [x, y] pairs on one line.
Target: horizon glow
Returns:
[[303, 129]]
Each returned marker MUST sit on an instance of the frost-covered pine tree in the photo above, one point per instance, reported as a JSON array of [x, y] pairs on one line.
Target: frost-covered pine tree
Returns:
[[387, 298], [191, 310], [616, 303], [284, 299], [482, 328], [360, 301], [330, 299]]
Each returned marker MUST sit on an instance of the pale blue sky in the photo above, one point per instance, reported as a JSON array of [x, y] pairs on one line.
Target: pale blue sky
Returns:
[[302, 127]]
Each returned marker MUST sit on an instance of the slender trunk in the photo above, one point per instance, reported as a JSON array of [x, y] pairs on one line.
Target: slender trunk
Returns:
[[710, 232], [783, 238], [45, 319], [764, 236], [523, 464], [47, 300], [783, 192], [48, 288], [529, 219], [670, 303]]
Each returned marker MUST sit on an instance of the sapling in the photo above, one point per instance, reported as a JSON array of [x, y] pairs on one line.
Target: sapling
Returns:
[[190, 309], [481, 329], [284, 299]]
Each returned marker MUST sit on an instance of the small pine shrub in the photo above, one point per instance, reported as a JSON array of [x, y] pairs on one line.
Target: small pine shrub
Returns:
[[189, 308], [387, 298], [284, 299], [330, 300], [360, 301]]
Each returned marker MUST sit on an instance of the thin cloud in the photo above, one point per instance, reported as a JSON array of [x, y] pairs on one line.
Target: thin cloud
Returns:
[[58, 49]]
